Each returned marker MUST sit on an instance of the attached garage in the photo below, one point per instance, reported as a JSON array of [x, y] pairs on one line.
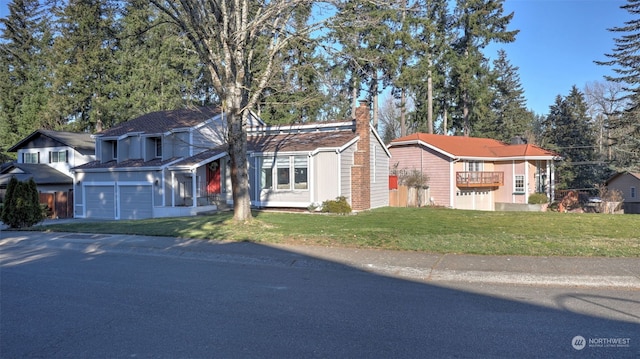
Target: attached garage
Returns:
[[135, 201], [100, 201], [476, 199]]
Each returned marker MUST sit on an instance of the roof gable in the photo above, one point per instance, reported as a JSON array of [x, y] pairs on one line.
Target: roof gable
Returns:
[[48, 138], [163, 121], [473, 147]]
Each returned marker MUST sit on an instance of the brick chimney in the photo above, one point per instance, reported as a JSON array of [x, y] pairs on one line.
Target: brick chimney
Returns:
[[361, 169]]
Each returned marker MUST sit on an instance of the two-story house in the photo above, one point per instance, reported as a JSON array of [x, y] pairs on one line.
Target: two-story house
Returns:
[[47, 157], [476, 173], [175, 163]]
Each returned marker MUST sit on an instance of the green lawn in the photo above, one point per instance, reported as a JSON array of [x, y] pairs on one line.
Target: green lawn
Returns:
[[415, 229]]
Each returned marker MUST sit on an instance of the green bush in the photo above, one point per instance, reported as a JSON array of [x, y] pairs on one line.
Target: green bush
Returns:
[[339, 205], [538, 198], [22, 205]]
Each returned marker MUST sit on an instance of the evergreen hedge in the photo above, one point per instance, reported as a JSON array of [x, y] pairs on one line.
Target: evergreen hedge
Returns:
[[21, 204]]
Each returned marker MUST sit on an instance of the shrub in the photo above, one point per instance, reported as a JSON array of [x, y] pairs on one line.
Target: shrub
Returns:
[[414, 179], [22, 205], [339, 205], [538, 198]]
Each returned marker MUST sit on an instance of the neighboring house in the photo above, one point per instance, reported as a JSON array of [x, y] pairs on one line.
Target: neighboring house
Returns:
[[476, 173], [47, 157], [175, 163], [628, 184]]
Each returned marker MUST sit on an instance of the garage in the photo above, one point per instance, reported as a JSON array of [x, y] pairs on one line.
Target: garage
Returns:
[[476, 199], [100, 201], [135, 201]]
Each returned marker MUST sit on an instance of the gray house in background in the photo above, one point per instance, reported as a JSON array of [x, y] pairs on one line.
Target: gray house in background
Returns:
[[175, 163], [47, 157], [628, 184]]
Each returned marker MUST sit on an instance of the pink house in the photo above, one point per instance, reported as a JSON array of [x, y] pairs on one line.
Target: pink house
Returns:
[[476, 173]]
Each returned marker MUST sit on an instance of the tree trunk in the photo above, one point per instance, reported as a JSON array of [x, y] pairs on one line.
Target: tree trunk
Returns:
[[237, 135], [374, 90]]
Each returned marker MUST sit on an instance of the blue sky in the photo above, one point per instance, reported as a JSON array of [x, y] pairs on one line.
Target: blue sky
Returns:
[[556, 46]]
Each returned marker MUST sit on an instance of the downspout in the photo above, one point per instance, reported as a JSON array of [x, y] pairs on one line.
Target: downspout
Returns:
[[513, 180], [452, 182], [162, 193], [194, 194], [339, 173], [173, 189]]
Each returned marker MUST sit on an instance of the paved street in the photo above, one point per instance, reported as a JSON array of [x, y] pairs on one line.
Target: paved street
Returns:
[[97, 296]]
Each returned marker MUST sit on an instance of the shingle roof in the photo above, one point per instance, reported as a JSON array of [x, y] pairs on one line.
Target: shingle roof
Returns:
[[163, 121], [460, 146], [42, 174], [309, 141], [79, 141], [135, 163]]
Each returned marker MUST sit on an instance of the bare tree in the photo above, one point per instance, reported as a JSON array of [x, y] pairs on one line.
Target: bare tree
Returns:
[[238, 41], [603, 101]]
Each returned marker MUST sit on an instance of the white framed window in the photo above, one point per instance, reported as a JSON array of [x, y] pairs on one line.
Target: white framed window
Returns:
[[31, 157], [474, 166], [266, 174], [57, 156], [290, 172], [518, 184], [300, 179]]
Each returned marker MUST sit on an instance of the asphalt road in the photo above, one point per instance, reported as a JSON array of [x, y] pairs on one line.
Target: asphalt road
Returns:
[[244, 300]]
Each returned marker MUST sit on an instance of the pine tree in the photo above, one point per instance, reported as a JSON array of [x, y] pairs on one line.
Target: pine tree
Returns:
[[155, 68], [478, 22], [85, 47], [24, 72], [568, 130], [625, 127], [509, 116], [295, 95]]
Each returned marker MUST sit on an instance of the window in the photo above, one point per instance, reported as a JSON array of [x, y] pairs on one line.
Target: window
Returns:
[[518, 184], [158, 145], [291, 172], [57, 156], [300, 170], [32, 157], [283, 172], [114, 146], [633, 192], [266, 176], [474, 166]]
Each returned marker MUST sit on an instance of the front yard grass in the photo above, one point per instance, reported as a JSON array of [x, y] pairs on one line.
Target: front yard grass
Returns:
[[433, 230]]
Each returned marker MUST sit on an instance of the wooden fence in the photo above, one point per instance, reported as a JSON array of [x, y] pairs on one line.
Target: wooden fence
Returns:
[[59, 204], [404, 196]]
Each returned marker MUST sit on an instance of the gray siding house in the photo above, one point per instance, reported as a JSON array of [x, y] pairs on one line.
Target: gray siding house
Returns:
[[175, 163], [47, 157]]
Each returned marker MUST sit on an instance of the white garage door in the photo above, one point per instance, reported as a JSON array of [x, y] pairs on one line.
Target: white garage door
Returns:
[[136, 202], [478, 199], [100, 202]]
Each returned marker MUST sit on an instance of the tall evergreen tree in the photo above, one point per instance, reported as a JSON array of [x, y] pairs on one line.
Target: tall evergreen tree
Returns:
[[625, 128], [569, 131], [155, 68], [295, 95], [85, 47], [478, 22], [24, 74], [509, 116]]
